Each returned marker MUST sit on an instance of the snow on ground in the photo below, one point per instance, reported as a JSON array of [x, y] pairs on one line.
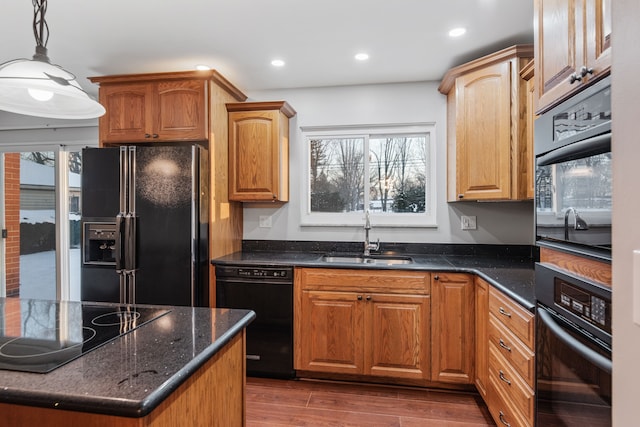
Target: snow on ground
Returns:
[[38, 275]]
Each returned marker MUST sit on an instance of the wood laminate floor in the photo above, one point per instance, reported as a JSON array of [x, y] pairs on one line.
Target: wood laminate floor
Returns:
[[273, 402]]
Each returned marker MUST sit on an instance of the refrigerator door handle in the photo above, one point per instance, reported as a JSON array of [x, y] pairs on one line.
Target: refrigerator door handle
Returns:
[[122, 277], [120, 241], [124, 174], [130, 259]]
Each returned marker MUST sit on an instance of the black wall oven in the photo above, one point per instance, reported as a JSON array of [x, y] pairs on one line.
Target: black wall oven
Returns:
[[573, 350], [574, 172]]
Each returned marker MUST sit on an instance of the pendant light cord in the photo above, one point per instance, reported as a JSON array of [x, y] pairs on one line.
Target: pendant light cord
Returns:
[[40, 30]]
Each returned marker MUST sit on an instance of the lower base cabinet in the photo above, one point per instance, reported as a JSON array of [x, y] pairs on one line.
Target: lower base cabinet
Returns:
[[505, 350], [420, 327], [360, 322], [452, 328]]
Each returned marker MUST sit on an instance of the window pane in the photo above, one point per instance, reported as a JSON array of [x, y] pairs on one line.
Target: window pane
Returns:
[[337, 175], [75, 171], [37, 234], [397, 174]]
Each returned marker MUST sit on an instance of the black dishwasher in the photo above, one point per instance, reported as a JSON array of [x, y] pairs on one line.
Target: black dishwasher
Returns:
[[268, 291]]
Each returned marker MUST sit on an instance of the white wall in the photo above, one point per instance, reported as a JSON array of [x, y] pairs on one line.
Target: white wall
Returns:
[[626, 203], [510, 223]]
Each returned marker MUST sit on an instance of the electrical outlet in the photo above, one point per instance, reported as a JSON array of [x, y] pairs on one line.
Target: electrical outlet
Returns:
[[265, 221], [468, 222]]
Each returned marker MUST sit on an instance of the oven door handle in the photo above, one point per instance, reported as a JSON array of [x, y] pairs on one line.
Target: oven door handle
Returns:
[[592, 356], [589, 147]]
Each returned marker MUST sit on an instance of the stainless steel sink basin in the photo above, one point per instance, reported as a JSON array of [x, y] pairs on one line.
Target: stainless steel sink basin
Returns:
[[372, 259]]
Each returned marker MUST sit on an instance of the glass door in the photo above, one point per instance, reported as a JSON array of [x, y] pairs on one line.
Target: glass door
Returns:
[[41, 252]]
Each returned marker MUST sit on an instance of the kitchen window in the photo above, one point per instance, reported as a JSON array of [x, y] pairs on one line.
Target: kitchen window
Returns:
[[387, 170]]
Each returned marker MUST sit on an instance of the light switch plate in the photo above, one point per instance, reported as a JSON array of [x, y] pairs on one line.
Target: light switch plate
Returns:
[[265, 221], [468, 222]]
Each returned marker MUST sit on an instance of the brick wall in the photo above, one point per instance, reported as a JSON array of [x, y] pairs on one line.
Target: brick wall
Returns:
[[12, 218]]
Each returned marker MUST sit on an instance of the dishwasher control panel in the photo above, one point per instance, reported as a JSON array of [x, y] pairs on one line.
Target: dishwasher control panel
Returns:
[[281, 273]]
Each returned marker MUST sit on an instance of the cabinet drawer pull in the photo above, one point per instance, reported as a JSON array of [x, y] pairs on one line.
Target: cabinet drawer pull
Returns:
[[502, 420], [503, 378], [503, 345], [504, 312]]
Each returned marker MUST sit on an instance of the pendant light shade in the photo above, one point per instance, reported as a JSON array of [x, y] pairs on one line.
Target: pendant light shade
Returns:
[[38, 88]]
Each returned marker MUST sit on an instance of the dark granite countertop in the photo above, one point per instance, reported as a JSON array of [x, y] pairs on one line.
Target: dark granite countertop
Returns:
[[513, 275], [130, 375]]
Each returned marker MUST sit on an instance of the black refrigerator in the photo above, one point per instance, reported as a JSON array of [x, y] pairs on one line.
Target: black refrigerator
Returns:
[[145, 225]]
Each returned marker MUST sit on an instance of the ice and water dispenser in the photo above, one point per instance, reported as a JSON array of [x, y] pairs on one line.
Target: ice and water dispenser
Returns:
[[99, 243]]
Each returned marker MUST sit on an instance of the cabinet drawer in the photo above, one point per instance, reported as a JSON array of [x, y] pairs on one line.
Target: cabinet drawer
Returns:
[[510, 385], [514, 317], [519, 356], [387, 281], [501, 408]]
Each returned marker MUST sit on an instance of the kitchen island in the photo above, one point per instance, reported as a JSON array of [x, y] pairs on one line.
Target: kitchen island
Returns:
[[182, 366]]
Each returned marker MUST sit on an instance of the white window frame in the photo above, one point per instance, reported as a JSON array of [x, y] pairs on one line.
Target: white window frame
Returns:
[[349, 219]]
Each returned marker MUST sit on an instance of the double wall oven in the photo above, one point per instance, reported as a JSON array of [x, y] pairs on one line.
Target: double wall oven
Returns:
[[573, 214]]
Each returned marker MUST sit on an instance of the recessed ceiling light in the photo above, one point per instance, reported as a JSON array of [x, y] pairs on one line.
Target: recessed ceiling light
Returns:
[[202, 67], [457, 32], [362, 56], [277, 63]]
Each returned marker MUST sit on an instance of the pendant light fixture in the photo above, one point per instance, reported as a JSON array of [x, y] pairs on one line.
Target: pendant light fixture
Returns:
[[36, 87]]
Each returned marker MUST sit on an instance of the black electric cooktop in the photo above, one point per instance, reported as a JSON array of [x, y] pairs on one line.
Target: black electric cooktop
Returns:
[[40, 335]]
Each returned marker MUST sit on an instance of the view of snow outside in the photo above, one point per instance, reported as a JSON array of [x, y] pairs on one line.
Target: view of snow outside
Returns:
[[38, 270]]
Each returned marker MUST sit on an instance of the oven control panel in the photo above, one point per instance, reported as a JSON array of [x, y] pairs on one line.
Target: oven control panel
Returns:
[[591, 307]]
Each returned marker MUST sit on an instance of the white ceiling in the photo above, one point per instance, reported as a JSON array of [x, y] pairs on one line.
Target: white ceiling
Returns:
[[406, 39]]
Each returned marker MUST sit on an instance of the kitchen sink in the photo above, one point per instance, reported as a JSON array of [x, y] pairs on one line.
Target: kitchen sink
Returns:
[[371, 259]]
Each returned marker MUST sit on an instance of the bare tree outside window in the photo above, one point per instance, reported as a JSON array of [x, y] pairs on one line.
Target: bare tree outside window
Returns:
[[396, 166]]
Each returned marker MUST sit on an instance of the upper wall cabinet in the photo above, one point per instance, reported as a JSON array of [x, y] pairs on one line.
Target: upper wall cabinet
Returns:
[[154, 107], [259, 151], [488, 146], [572, 42]]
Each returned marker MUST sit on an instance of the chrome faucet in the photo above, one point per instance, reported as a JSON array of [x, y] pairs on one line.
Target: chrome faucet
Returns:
[[368, 247], [579, 224]]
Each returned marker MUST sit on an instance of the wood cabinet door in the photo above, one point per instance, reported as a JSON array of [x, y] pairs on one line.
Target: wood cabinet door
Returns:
[[559, 52], [129, 112], [397, 336], [482, 336], [330, 338], [483, 133], [452, 328], [180, 110], [598, 35], [254, 156]]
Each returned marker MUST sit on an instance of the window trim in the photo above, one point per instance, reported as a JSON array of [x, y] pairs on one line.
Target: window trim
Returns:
[[350, 219]]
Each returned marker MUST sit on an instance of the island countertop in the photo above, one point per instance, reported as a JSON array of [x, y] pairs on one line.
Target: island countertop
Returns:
[[130, 375]]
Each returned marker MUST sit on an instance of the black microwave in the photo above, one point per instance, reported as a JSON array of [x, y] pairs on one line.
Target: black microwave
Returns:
[[573, 180]]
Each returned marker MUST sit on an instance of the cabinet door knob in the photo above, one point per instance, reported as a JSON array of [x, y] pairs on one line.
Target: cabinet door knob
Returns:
[[586, 70], [146, 135], [436, 277], [155, 135], [359, 297], [368, 297], [574, 78], [460, 196]]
